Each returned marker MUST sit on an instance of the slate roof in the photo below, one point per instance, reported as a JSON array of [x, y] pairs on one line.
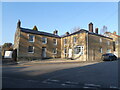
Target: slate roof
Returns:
[[86, 31], [38, 32], [99, 35], [113, 34], [57, 36], [80, 31]]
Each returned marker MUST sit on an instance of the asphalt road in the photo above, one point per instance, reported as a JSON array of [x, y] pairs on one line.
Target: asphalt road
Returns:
[[67, 75]]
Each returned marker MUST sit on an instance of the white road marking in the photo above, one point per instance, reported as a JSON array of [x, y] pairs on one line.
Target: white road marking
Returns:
[[86, 87], [63, 84], [92, 85], [75, 83], [50, 81], [33, 81], [54, 80], [113, 87], [45, 81]]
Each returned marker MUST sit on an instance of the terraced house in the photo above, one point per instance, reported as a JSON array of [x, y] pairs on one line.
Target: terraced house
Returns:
[[85, 45], [116, 42], [33, 44]]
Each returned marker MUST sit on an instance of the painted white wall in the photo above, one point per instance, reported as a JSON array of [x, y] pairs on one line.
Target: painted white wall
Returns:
[[8, 54]]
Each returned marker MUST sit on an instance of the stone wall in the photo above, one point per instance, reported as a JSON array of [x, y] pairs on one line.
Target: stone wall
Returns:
[[90, 42], [94, 45], [116, 39], [71, 45], [23, 45]]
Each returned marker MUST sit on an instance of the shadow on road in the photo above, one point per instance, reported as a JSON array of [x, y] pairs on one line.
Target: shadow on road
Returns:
[[104, 74]]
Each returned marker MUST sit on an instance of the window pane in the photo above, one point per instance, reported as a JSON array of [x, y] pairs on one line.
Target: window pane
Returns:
[[44, 40], [74, 39], [108, 42], [108, 50], [75, 50], [30, 49], [65, 50], [65, 41], [100, 39], [54, 50], [100, 50], [78, 50], [54, 41], [31, 38]]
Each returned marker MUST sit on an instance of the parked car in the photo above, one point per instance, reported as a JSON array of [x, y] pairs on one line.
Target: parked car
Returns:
[[108, 57]]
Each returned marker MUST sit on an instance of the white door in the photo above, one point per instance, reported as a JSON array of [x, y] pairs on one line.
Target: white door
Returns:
[[70, 53], [43, 52]]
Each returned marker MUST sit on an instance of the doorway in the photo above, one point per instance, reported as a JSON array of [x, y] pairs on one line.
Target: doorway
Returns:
[[14, 55], [70, 53], [43, 52]]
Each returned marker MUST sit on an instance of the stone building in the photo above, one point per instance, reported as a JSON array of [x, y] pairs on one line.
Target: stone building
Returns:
[[32, 44], [84, 45], [116, 42]]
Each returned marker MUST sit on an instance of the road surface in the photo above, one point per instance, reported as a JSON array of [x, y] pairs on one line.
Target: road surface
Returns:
[[63, 75]]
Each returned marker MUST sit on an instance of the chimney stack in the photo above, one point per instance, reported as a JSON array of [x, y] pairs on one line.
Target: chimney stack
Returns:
[[19, 24], [67, 33], [96, 30], [90, 27], [35, 28], [114, 32], [55, 32]]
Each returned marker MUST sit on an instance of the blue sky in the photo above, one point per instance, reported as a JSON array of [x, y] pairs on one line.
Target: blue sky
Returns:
[[63, 16]]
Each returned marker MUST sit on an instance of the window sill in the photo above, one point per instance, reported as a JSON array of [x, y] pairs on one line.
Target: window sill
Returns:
[[31, 41], [65, 53], [30, 52], [55, 44], [54, 53], [44, 43], [78, 54]]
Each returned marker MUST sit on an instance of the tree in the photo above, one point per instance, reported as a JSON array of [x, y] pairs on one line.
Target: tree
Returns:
[[7, 45], [35, 28], [103, 30], [75, 29]]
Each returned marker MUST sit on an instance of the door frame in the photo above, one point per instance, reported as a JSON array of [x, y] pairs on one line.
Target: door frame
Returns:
[[70, 52], [44, 52]]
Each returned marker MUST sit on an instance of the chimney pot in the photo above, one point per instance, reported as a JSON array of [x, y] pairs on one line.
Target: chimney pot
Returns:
[[55, 32]]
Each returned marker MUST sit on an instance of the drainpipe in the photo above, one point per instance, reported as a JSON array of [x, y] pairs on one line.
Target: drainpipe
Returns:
[[18, 46], [87, 46]]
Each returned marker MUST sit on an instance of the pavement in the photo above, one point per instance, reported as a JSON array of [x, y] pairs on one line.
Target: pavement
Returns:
[[47, 61]]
